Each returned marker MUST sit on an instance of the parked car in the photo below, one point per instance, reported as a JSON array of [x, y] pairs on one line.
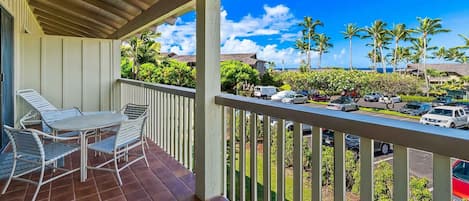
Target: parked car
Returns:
[[353, 143], [460, 180], [372, 97], [442, 100], [415, 108], [319, 98], [464, 105], [307, 129], [390, 99], [295, 98], [264, 91], [280, 95], [446, 116], [344, 103]]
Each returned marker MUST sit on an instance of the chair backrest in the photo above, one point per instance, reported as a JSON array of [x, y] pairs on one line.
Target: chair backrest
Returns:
[[134, 111], [130, 130], [25, 142], [50, 116], [35, 100]]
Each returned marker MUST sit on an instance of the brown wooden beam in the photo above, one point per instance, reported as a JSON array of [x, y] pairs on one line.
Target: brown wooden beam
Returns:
[[140, 4], [157, 13], [70, 16], [70, 24], [78, 9], [72, 28], [48, 31], [110, 8], [60, 29], [124, 6]]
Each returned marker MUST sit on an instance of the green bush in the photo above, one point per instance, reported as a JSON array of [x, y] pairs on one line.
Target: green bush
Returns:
[[126, 68], [332, 82], [235, 72]]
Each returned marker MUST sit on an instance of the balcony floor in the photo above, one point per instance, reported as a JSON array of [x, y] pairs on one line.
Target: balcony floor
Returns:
[[165, 179]]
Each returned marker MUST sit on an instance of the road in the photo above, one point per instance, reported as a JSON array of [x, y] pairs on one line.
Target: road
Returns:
[[420, 162]]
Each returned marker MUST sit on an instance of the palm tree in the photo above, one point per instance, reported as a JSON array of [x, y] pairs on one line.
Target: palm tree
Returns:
[[441, 53], [418, 51], [426, 28], [399, 32], [454, 54], [322, 45], [376, 29], [141, 49], [351, 30], [309, 31], [400, 54], [466, 41], [382, 41]]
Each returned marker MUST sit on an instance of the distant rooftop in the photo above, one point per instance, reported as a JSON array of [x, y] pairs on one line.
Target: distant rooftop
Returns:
[[248, 58], [460, 69]]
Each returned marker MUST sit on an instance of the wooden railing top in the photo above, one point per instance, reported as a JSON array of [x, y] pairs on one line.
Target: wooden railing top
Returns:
[[443, 141], [180, 91]]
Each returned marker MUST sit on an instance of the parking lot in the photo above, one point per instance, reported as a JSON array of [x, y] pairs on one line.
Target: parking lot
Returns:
[[420, 162]]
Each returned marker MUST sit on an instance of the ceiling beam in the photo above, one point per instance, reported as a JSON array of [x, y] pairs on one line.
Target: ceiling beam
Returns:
[[48, 31], [110, 8], [124, 6], [61, 30], [71, 24], [79, 10], [62, 26], [157, 13], [70, 16], [138, 3]]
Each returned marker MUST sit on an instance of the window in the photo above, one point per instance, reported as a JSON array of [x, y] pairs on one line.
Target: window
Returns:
[[461, 171]]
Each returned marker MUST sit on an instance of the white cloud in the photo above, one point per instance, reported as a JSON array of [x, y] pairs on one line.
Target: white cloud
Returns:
[[340, 56], [275, 22]]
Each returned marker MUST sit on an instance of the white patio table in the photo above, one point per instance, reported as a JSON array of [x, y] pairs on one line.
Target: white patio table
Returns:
[[83, 124]]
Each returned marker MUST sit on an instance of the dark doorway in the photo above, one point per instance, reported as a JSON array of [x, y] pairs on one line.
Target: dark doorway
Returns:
[[6, 68]]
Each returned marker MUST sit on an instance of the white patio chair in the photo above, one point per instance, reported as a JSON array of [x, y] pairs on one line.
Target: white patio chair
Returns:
[[27, 147], [134, 111], [44, 109], [128, 137]]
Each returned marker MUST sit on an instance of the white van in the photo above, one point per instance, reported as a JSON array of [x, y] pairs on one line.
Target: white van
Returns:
[[264, 91]]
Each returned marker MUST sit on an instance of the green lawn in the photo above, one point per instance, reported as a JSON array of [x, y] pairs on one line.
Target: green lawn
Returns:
[[260, 182]]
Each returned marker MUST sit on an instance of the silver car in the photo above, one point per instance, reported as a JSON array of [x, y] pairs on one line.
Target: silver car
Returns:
[[344, 103], [295, 98]]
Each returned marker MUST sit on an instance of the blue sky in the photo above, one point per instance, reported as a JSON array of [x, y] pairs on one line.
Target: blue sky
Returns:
[[269, 27]]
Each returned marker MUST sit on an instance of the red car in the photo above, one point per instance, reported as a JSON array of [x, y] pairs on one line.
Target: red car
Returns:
[[460, 180], [319, 98]]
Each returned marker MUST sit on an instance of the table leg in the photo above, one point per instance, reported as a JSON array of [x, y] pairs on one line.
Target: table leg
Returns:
[[84, 157]]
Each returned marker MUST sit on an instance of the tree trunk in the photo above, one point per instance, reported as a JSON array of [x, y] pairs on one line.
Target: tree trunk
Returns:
[[374, 53], [427, 83], [309, 49], [394, 66], [383, 61], [319, 61], [351, 67]]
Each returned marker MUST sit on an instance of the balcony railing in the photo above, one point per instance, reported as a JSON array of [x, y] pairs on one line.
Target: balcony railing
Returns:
[[171, 121]]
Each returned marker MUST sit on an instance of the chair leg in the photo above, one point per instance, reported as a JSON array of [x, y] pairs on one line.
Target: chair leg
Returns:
[[144, 155], [39, 183], [117, 171], [13, 169]]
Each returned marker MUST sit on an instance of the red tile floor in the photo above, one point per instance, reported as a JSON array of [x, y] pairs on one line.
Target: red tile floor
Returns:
[[164, 180]]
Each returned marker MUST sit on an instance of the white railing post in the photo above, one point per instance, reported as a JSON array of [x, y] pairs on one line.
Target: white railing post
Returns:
[[297, 162], [442, 174], [339, 166], [316, 174], [366, 168], [401, 173], [208, 133]]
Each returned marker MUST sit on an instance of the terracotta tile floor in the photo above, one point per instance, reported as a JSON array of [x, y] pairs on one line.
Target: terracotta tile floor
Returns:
[[164, 180]]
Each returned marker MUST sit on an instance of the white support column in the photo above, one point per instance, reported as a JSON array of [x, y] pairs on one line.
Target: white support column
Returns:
[[208, 133]]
